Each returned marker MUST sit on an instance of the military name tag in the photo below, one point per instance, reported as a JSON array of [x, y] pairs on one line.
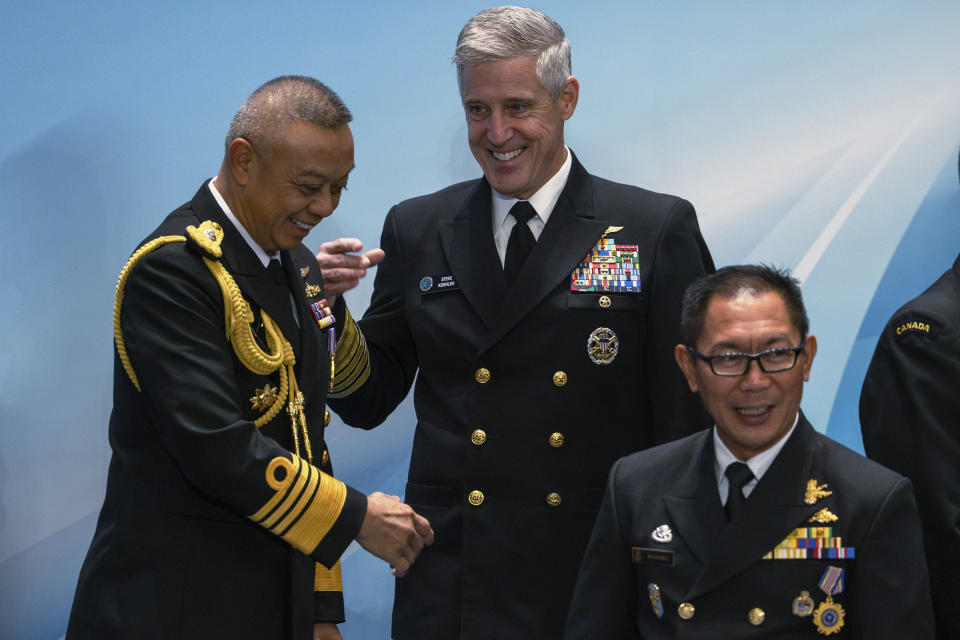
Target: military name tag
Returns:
[[609, 267], [659, 557], [436, 284]]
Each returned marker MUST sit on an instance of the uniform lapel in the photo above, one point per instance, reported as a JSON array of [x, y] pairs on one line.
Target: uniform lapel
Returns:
[[570, 233], [304, 340], [467, 241], [694, 504], [773, 510]]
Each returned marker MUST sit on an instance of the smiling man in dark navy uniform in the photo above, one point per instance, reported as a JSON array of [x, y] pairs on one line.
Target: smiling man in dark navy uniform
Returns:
[[222, 517], [537, 309], [760, 527]]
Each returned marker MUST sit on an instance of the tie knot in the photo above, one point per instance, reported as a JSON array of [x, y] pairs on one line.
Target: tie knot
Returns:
[[738, 474], [522, 211]]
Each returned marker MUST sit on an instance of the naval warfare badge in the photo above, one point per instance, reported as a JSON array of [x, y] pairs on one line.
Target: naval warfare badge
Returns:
[[602, 345]]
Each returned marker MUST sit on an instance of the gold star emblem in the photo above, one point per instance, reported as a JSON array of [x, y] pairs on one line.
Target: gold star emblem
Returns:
[[823, 516], [815, 491], [264, 398], [313, 290]]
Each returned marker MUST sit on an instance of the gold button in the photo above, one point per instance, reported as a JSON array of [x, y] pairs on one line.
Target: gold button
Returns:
[[560, 378], [326, 418], [478, 437], [756, 616], [556, 439], [554, 499], [605, 302], [325, 458], [686, 610], [475, 498], [482, 375]]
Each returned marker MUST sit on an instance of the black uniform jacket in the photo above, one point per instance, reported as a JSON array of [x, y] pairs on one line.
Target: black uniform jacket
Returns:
[[910, 419], [195, 536], [517, 425], [714, 572]]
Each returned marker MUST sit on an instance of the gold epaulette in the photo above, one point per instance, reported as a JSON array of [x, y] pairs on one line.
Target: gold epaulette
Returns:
[[352, 360]]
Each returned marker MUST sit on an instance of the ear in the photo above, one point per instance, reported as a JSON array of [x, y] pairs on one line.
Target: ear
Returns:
[[809, 350], [241, 158], [687, 365], [569, 96]]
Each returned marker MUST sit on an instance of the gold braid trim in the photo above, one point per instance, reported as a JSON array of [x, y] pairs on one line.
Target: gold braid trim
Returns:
[[328, 579], [134, 260], [305, 505], [352, 360], [238, 321]]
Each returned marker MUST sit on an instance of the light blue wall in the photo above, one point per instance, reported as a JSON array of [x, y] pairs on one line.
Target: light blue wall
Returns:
[[821, 136]]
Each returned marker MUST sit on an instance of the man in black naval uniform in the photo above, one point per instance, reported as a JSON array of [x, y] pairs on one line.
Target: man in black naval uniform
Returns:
[[222, 518], [760, 527], [542, 349], [910, 420]]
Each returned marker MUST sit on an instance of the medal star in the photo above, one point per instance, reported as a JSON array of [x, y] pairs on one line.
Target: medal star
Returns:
[[264, 398]]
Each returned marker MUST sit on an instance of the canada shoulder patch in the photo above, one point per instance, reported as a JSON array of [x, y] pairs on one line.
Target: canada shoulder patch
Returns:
[[920, 326]]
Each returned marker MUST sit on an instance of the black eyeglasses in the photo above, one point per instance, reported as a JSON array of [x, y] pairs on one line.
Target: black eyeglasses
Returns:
[[737, 364]]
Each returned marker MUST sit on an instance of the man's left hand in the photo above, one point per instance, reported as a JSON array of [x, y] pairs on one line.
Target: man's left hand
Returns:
[[326, 631], [341, 270]]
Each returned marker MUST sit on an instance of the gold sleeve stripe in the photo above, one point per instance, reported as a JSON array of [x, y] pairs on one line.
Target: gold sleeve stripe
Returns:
[[352, 360], [305, 505], [328, 579], [301, 495], [320, 515], [304, 477]]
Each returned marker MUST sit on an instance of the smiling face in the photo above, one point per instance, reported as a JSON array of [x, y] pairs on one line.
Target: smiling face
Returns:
[[754, 410], [514, 127], [283, 194]]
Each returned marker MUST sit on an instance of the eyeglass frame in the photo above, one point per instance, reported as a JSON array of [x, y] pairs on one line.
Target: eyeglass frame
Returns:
[[750, 358]]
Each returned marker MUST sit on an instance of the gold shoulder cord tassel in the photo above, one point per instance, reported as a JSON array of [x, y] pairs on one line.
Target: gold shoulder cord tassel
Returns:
[[238, 323]]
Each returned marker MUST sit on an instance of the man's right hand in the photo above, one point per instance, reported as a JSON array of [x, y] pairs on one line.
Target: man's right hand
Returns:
[[393, 531]]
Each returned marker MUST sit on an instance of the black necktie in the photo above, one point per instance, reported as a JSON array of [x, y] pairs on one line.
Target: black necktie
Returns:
[[275, 271], [521, 240], [739, 475]]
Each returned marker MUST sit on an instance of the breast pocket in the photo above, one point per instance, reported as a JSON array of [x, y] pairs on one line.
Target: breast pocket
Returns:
[[613, 302]]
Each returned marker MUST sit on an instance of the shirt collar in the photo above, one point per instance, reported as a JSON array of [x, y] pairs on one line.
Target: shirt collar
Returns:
[[543, 201], [262, 255], [758, 464]]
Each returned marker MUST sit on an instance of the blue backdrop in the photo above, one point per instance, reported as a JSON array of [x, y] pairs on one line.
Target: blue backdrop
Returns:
[[819, 136]]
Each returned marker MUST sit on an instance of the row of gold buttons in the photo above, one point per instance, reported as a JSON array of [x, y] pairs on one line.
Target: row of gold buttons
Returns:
[[482, 375], [479, 436], [755, 616], [476, 498]]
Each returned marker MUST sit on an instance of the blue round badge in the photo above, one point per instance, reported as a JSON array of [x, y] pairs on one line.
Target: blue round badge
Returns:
[[426, 283]]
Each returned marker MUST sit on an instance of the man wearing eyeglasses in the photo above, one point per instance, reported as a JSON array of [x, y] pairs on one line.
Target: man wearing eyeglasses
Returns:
[[760, 526]]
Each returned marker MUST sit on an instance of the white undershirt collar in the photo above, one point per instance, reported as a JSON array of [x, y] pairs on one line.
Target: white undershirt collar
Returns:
[[543, 202], [262, 255], [758, 464]]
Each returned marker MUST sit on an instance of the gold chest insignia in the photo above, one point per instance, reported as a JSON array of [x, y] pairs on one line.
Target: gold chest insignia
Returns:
[[313, 290], [264, 398], [815, 491], [304, 271], [823, 516]]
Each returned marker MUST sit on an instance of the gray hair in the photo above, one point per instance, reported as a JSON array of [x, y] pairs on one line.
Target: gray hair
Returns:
[[262, 117], [516, 32]]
